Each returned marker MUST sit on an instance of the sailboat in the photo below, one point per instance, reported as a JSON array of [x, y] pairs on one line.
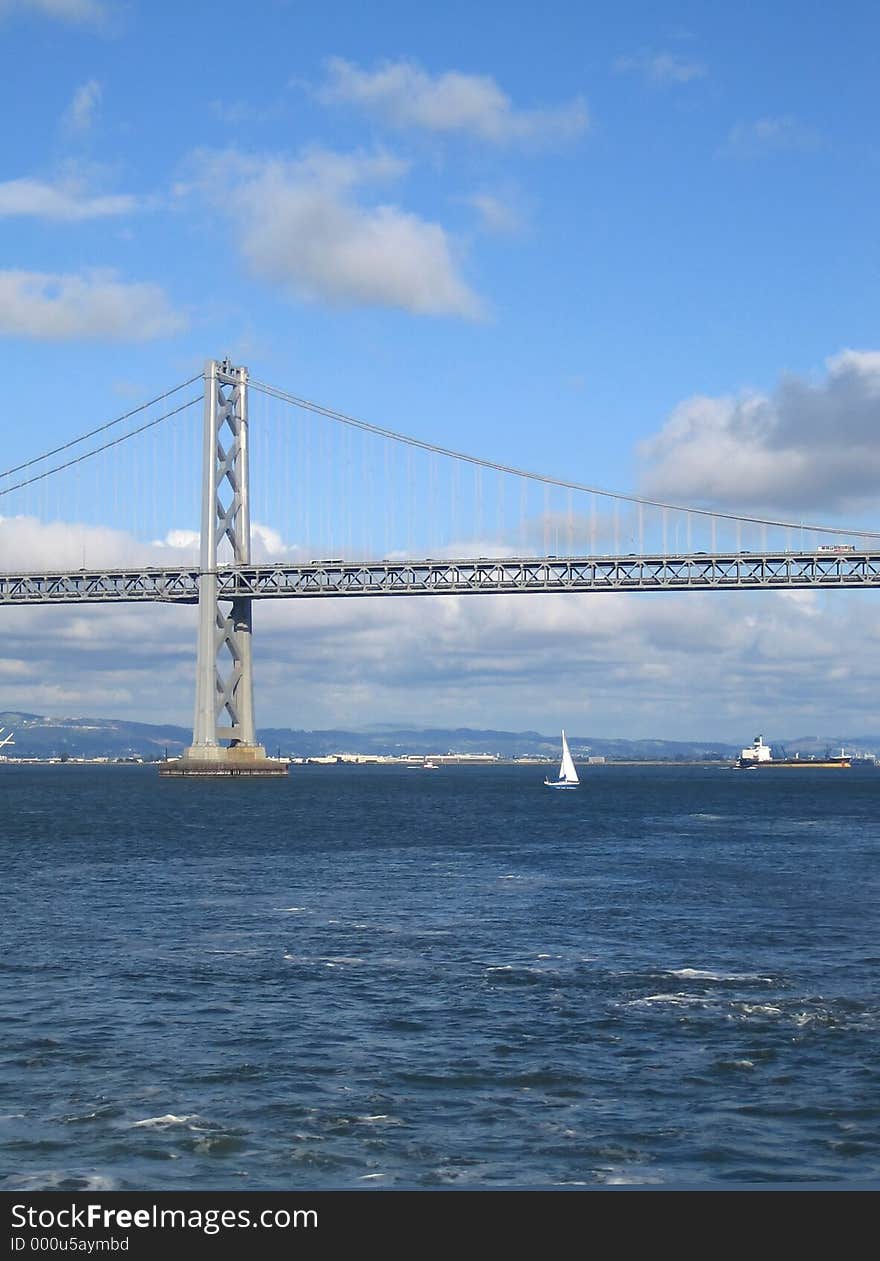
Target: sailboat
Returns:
[[568, 776]]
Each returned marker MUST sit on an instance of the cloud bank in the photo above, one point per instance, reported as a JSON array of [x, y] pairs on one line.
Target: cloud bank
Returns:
[[806, 446]]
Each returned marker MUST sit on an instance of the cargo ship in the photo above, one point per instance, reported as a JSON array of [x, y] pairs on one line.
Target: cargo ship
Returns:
[[760, 755]]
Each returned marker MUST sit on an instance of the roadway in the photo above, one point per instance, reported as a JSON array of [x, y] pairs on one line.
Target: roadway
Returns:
[[742, 571]]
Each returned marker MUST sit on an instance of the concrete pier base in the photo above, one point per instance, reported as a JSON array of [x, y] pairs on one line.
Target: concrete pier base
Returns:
[[216, 761]]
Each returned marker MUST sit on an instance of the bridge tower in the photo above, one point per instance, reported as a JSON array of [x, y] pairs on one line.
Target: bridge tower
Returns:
[[224, 708]]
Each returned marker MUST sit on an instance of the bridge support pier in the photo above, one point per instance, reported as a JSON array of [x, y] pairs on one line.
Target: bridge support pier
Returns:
[[224, 680]]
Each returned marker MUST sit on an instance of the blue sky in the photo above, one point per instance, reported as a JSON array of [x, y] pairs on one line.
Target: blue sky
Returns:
[[628, 244]]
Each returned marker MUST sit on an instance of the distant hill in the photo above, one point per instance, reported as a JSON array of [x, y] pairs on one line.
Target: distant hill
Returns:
[[40, 736]]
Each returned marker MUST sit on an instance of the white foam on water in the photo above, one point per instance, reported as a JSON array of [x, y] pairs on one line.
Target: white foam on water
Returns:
[[671, 1000], [328, 961], [164, 1122], [698, 974], [289, 910], [523, 969], [211, 1141], [759, 1009], [802, 1018], [695, 974], [369, 1177], [53, 1179], [623, 1179]]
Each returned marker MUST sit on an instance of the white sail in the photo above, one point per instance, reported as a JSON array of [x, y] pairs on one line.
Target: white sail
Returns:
[[567, 772], [568, 776]]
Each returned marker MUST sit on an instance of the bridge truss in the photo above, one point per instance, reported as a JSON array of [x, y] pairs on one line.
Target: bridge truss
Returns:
[[324, 579]]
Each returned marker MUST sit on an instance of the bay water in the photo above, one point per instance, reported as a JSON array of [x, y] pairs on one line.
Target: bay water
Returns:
[[376, 977]]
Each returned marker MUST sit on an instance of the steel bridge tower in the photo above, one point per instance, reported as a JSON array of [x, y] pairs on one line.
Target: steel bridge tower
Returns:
[[224, 708]]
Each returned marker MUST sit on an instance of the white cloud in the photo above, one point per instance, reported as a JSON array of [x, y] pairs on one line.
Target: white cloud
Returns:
[[80, 113], [300, 224], [496, 214], [77, 12], [64, 202], [662, 67], [183, 543], [28, 544], [91, 306], [806, 446], [771, 135], [406, 96]]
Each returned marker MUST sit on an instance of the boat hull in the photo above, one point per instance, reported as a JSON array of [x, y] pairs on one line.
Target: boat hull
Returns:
[[552, 783], [818, 764]]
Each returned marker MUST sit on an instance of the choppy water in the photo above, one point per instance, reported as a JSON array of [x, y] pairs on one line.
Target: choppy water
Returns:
[[386, 978]]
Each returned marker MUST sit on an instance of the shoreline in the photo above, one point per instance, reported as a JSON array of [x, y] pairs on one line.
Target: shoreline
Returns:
[[415, 762], [439, 761]]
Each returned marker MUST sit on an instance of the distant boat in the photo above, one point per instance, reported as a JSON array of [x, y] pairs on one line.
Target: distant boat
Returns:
[[759, 754], [568, 776]]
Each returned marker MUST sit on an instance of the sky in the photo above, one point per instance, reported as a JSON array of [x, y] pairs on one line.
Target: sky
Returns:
[[626, 244]]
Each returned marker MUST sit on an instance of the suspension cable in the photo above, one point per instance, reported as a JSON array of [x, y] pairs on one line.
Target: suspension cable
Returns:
[[543, 478], [18, 468], [114, 442]]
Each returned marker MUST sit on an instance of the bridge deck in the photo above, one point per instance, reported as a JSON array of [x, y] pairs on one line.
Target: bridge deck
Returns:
[[690, 572]]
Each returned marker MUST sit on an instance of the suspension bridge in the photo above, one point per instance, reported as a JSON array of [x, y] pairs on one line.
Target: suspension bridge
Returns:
[[156, 508]]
